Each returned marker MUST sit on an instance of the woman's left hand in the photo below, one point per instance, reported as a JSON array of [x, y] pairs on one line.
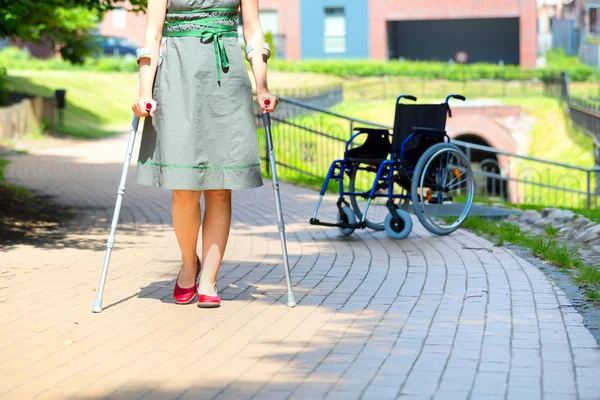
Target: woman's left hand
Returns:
[[262, 96]]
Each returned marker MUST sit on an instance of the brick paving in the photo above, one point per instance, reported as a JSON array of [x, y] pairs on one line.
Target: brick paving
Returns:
[[422, 318]]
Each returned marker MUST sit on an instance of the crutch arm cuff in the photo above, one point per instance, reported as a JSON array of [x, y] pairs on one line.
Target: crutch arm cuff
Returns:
[[250, 48], [141, 53]]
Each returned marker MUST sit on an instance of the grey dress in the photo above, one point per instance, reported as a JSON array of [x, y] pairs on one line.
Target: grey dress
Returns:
[[203, 133]]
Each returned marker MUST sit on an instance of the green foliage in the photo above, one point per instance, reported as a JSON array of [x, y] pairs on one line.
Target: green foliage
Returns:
[[3, 86], [592, 295], [3, 163], [551, 231], [16, 59], [588, 275], [271, 42], [432, 70], [506, 233], [64, 23]]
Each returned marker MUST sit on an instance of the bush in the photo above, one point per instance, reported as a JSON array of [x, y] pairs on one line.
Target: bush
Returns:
[[432, 70], [15, 58]]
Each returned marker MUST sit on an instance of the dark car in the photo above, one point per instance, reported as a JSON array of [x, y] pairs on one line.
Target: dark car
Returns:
[[116, 46]]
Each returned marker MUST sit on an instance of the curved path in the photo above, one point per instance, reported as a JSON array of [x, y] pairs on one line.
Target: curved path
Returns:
[[423, 318]]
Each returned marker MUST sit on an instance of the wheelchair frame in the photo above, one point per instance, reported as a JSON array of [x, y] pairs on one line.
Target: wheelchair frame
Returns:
[[394, 165]]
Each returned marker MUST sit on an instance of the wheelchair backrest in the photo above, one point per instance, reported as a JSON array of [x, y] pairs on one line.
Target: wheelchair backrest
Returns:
[[409, 116]]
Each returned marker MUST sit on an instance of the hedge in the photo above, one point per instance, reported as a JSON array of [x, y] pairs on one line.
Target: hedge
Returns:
[[431, 70], [14, 58]]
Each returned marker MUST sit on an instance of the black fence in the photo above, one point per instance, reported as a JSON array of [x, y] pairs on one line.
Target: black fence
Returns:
[[308, 138]]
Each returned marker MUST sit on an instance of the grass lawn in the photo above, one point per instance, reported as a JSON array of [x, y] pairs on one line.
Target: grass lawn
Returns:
[[99, 103]]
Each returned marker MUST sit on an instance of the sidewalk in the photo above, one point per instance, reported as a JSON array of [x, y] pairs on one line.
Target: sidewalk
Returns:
[[423, 318]]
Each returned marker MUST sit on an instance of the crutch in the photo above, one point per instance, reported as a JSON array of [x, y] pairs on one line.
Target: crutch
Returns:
[[291, 302], [120, 192]]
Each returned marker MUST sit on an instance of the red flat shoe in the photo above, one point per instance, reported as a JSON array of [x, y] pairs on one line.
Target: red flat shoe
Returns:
[[186, 295], [205, 301]]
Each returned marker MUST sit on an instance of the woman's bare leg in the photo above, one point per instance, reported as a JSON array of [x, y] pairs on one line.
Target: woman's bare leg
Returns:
[[185, 210], [215, 232]]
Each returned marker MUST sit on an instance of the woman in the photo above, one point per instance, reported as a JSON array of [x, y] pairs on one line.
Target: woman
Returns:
[[200, 137]]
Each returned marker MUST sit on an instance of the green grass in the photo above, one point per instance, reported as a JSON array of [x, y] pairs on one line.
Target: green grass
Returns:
[[3, 164], [551, 231], [588, 275], [592, 295], [548, 249], [98, 104]]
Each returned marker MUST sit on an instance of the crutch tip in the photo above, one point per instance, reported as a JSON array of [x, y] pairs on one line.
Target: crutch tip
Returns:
[[97, 306], [291, 301]]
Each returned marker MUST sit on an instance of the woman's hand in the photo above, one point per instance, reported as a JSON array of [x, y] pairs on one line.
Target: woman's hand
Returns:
[[139, 107], [262, 96]]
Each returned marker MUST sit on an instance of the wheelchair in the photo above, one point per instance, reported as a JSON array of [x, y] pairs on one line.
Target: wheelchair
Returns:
[[418, 167]]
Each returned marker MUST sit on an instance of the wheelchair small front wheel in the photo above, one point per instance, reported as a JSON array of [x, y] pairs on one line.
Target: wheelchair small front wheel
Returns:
[[361, 180], [346, 216], [398, 229]]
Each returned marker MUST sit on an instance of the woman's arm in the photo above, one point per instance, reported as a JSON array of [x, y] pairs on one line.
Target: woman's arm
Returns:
[[148, 64], [253, 35]]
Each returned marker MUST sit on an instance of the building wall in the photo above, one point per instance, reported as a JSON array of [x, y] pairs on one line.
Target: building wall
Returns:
[[382, 11], [312, 22], [287, 10], [133, 28]]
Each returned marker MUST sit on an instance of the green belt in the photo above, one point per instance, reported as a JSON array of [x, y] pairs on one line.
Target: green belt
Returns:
[[209, 28]]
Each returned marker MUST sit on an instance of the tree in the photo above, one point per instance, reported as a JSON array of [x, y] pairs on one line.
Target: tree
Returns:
[[67, 24]]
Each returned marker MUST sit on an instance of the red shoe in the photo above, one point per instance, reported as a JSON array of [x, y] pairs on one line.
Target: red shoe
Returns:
[[205, 301], [186, 295]]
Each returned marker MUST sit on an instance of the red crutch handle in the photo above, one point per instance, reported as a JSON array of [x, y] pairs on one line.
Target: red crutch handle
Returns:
[[148, 107], [267, 102]]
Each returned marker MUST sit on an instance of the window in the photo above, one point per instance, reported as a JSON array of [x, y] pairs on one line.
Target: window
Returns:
[[269, 21], [594, 20], [119, 18], [335, 30]]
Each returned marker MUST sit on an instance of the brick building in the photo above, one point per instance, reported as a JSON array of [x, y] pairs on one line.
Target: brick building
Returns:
[[486, 30]]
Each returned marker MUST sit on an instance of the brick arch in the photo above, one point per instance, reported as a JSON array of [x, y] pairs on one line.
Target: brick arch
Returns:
[[491, 132], [487, 129]]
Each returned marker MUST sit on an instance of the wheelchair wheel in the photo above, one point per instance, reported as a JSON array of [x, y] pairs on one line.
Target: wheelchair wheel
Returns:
[[399, 229], [361, 180], [442, 188], [346, 217]]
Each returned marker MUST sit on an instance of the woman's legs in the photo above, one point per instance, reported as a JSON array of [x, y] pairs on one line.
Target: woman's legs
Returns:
[[215, 232], [185, 210]]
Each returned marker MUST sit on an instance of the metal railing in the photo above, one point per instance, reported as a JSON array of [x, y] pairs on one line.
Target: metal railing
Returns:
[[511, 85], [308, 138], [586, 115]]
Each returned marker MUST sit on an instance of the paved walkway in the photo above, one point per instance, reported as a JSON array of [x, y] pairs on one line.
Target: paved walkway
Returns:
[[422, 318]]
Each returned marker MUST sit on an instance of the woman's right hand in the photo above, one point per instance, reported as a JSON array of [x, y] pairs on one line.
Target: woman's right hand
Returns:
[[139, 107]]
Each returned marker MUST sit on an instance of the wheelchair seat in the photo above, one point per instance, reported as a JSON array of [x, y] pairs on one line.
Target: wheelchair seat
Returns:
[[374, 150]]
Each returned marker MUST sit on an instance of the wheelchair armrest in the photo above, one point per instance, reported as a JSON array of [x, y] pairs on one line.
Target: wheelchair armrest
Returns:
[[418, 129], [370, 131]]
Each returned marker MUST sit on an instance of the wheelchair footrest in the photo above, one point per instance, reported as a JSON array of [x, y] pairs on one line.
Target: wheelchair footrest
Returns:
[[358, 225]]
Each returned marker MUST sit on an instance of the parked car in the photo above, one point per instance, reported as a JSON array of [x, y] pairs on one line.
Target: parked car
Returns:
[[116, 46]]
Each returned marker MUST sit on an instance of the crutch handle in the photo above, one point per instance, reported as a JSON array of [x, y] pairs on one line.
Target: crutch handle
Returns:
[[266, 116], [148, 106]]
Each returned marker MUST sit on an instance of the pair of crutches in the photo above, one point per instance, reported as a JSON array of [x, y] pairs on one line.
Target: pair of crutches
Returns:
[[291, 302]]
